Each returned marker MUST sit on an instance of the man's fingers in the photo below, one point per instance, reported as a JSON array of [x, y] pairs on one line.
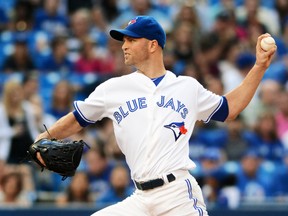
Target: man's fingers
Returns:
[[261, 37], [40, 158]]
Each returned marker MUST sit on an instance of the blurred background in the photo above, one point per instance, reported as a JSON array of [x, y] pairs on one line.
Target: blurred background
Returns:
[[56, 51]]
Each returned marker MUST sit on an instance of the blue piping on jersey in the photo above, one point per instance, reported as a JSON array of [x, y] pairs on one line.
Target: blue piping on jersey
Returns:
[[79, 119], [157, 80], [81, 116], [221, 112], [189, 186]]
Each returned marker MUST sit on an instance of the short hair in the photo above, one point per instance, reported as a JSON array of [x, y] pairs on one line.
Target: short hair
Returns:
[[57, 41]]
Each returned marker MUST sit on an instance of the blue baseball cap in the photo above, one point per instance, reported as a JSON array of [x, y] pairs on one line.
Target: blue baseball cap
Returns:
[[245, 60], [251, 153], [141, 27], [213, 154]]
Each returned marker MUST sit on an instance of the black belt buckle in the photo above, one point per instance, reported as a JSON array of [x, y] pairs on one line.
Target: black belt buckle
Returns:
[[150, 184], [171, 177]]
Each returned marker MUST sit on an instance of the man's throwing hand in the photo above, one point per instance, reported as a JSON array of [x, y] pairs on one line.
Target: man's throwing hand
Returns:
[[264, 58]]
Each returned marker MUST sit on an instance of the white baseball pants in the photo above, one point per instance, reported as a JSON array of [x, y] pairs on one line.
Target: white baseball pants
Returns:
[[182, 197]]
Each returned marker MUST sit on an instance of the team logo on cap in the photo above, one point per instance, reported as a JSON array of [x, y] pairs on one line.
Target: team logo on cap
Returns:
[[132, 21], [178, 128]]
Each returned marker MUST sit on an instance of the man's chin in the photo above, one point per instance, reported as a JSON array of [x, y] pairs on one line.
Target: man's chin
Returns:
[[127, 63]]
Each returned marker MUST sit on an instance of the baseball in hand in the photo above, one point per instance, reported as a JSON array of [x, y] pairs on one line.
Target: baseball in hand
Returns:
[[267, 43]]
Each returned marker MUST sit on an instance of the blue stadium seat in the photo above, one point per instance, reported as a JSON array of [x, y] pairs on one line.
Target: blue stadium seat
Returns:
[[231, 167], [47, 83]]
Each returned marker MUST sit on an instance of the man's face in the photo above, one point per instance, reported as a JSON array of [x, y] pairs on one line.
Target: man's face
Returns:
[[135, 50], [250, 165]]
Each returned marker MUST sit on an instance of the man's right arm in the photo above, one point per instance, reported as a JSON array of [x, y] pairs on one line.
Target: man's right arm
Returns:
[[63, 128]]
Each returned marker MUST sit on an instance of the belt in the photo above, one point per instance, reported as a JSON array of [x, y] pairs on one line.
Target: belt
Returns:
[[154, 183]]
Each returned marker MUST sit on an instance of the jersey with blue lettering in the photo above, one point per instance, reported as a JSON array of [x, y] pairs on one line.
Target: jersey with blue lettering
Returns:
[[152, 123]]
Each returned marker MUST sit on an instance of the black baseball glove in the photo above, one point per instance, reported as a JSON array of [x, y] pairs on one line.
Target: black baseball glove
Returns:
[[62, 157]]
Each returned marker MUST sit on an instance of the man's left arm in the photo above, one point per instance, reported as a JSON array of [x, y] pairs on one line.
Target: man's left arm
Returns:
[[241, 96]]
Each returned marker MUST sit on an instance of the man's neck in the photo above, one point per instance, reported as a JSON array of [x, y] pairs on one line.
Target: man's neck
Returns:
[[153, 66], [153, 74]]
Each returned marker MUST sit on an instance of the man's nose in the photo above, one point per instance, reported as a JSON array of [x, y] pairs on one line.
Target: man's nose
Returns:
[[124, 46]]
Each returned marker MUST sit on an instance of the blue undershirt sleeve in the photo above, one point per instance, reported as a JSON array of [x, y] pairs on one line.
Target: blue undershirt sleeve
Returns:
[[223, 112]]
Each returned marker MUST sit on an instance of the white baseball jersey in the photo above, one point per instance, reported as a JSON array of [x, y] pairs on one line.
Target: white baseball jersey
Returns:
[[152, 123]]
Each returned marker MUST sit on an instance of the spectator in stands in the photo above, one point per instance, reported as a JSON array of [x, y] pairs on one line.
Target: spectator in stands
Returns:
[[183, 46], [110, 9], [105, 134], [58, 61], [214, 84], [263, 101], [78, 192], [4, 20], [236, 143], [99, 27], [105, 131], [2, 171], [230, 74], [188, 14], [88, 61], [112, 59], [281, 186], [49, 19], [281, 117], [62, 98], [229, 195], [18, 126], [278, 70], [208, 175], [227, 28], [12, 194], [22, 19], [27, 179], [143, 7], [99, 169], [80, 29], [267, 91], [119, 188], [191, 70], [265, 138], [20, 60], [253, 13], [208, 178], [281, 7], [208, 56], [251, 17], [254, 184], [170, 59], [30, 84], [73, 5]]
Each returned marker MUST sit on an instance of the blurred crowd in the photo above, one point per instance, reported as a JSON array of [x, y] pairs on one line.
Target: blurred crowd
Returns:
[[57, 51]]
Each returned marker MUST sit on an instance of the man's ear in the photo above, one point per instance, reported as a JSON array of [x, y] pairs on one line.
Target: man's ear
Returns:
[[153, 45]]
